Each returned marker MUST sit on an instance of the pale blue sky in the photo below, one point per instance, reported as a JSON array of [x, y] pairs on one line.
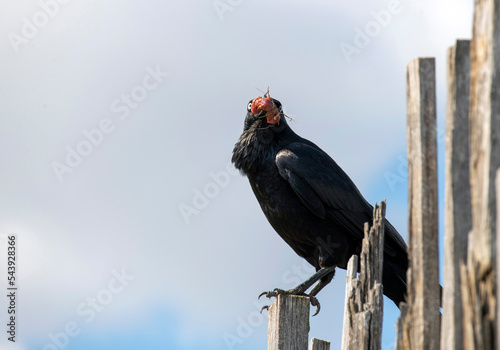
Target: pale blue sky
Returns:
[[116, 116]]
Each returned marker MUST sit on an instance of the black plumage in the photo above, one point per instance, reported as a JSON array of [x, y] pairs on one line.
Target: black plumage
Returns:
[[311, 202]]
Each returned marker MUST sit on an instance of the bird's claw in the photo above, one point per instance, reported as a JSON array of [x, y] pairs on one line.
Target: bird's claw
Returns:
[[277, 291], [314, 302], [273, 293]]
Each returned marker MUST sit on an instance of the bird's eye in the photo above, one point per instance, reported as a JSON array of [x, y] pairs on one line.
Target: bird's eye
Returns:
[[249, 107], [280, 109]]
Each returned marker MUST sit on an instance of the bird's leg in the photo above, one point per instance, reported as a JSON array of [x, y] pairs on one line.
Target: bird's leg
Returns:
[[321, 284], [301, 288]]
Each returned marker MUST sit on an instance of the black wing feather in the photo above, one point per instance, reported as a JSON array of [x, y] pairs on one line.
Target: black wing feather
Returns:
[[326, 190]]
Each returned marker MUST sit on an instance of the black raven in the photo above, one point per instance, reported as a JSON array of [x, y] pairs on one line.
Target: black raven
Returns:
[[310, 201]]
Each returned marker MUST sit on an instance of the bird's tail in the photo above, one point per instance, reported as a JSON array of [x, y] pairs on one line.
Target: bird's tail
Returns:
[[395, 277]]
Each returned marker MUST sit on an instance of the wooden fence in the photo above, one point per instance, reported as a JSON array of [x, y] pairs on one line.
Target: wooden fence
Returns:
[[471, 289]]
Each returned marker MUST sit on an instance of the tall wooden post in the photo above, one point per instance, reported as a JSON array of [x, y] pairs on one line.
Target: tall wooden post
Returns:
[[498, 258], [423, 318], [364, 300], [480, 289], [402, 332], [352, 272], [458, 220]]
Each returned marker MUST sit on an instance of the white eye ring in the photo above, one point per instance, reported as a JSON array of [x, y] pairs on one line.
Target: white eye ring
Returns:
[[281, 109], [249, 107]]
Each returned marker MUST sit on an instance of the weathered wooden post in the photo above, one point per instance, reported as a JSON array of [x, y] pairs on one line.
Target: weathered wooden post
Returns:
[[498, 258], [458, 220], [288, 327], [421, 326], [352, 272], [318, 344], [402, 336], [364, 300], [479, 278]]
